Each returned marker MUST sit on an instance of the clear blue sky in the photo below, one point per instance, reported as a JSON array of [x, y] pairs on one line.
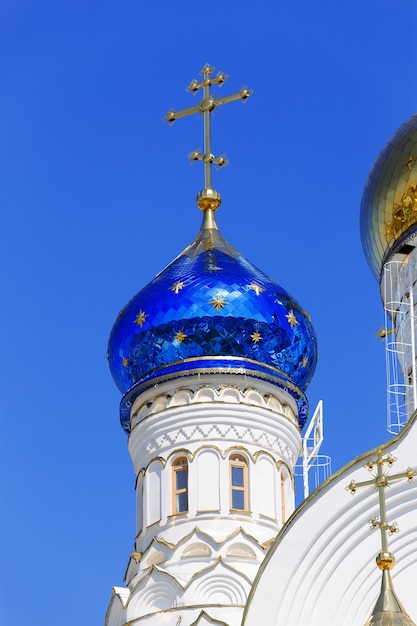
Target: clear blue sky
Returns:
[[97, 196]]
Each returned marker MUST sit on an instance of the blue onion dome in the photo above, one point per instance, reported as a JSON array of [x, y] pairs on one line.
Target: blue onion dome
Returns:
[[212, 310], [388, 217]]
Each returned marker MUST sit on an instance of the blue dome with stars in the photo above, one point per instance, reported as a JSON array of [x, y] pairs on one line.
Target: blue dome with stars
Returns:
[[211, 309]]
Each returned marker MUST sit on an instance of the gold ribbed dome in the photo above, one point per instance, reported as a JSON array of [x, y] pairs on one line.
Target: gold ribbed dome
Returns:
[[389, 202]]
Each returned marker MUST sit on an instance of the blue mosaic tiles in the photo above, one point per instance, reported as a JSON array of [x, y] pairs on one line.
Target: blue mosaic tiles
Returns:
[[211, 303]]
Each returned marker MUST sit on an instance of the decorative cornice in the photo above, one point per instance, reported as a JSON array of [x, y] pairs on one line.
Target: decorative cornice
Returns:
[[209, 619], [241, 583], [253, 436], [195, 535], [194, 370], [122, 593], [221, 393], [183, 609], [199, 534], [146, 576], [214, 565], [223, 453]]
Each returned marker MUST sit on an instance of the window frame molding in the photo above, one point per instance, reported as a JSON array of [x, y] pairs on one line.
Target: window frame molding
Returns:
[[236, 459], [181, 463]]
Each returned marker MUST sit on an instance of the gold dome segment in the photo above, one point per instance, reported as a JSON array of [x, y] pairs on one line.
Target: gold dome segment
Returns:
[[389, 203], [208, 198]]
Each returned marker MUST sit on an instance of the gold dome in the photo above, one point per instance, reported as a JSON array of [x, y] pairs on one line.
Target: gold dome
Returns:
[[389, 203]]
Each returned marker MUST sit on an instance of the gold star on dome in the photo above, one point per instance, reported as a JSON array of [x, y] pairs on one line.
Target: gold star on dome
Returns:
[[291, 319], [257, 288], [256, 337], [218, 302], [304, 361], [141, 318], [176, 287], [125, 361], [180, 336]]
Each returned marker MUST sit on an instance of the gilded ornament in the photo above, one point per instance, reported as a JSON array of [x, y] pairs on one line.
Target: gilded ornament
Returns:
[[176, 287], [404, 214], [257, 288], [380, 481], [291, 319], [410, 162], [388, 609], [218, 302], [180, 336], [208, 199], [125, 362], [136, 556], [256, 337], [304, 361], [141, 318]]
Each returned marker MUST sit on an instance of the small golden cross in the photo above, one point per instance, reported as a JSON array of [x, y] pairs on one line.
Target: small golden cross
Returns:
[[381, 481], [206, 106]]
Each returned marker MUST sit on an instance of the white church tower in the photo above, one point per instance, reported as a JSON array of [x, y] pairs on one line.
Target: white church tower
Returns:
[[212, 358]]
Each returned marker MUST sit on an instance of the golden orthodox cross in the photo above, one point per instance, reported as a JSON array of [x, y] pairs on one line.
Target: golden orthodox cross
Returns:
[[206, 106], [381, 480]]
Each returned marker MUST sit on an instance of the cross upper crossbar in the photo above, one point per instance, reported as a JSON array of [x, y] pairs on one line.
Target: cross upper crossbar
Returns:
[[381, 481], [206, 106]]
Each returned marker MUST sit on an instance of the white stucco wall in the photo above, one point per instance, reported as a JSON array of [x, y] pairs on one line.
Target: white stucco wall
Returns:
[[199, 565], [321, 570]]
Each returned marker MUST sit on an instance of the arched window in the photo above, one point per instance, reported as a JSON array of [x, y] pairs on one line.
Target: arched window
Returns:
[[238, 483], [180, 485]]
